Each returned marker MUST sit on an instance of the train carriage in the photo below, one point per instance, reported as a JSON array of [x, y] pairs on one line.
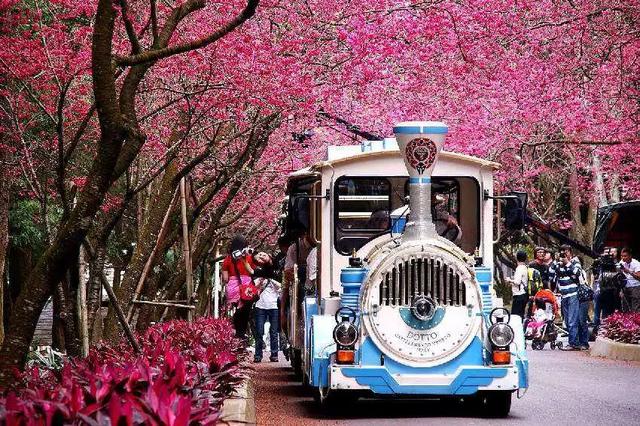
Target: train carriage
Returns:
[[403, 303]]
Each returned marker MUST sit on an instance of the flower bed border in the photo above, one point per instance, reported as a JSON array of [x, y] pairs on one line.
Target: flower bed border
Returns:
[[240, 409], [611, 349]]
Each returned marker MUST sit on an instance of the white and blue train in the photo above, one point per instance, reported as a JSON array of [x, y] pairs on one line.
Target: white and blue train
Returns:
[[403, 303]]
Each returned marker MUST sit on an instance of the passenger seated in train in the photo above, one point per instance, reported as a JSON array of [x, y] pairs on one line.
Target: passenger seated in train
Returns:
[[446, 224]]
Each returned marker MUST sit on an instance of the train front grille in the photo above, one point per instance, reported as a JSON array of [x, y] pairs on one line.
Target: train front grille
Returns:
[[423, 276]]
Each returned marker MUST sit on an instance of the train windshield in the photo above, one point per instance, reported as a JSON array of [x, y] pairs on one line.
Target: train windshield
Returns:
[[364, 206]]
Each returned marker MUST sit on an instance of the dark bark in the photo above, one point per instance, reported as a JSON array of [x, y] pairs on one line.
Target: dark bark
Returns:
[[4, 231], [144, 247], [146, 313], [118, 123], [190, 6], [204, 290], [19, 265], [55, 261], [94, 290], [57, 331]]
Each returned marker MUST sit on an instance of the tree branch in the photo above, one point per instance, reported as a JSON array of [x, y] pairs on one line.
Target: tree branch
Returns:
[[128, 25], [154, 55]]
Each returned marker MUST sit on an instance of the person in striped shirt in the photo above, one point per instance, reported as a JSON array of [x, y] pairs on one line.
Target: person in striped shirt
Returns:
[[566, 274]]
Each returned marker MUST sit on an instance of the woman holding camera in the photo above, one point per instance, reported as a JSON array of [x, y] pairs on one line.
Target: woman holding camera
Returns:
[[237, 269]]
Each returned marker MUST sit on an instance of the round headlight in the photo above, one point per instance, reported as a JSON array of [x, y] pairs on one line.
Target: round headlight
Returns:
[[423, 308], [501, 334], [345, 334]]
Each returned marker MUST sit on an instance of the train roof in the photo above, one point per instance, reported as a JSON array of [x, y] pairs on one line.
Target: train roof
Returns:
[[375, 149]]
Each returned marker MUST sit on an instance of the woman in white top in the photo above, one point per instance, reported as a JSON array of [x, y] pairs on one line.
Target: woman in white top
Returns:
[[266, 308], [519, 285]]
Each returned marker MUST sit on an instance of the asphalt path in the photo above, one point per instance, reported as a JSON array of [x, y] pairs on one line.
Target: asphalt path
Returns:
[[567, 388]]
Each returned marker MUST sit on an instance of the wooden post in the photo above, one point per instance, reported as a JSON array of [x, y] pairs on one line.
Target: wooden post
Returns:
[[82, 305], [162, 303], [185, 245], [216, 285], [154, 252]]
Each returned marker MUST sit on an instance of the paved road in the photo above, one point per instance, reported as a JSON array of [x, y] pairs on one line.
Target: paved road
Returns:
[[566, 388]]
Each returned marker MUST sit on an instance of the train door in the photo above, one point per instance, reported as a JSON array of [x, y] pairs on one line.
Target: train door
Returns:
[[302, 227]]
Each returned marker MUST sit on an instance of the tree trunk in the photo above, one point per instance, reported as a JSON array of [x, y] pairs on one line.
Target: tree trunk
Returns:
[[4, 232], [144, 247], [583, 215], [203, 307], [94, 292], [57, 328], [146, 313]]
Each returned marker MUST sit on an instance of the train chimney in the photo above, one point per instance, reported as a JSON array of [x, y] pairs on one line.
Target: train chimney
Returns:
[[420, 143]]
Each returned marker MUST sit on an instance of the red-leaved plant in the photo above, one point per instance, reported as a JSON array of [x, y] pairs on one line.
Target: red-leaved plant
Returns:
[[622, 327], [182, 376]]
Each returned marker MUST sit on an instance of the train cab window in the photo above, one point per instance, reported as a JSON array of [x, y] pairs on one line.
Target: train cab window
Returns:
[[364, 204], [362, 211]]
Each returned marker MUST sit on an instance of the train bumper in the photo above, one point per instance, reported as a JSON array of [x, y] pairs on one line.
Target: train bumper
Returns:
[[464, 381]]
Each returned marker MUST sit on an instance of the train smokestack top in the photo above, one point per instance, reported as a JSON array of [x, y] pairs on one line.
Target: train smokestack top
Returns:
[[420, 143]]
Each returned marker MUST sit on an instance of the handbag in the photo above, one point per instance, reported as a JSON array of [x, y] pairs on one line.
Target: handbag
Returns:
[[248, 292], [585, 293]]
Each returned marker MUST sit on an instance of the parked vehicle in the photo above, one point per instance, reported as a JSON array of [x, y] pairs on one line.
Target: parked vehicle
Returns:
[[404, 303]]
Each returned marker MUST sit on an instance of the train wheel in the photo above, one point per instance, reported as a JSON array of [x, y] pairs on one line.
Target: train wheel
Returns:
[[496, 404], [552, 345]]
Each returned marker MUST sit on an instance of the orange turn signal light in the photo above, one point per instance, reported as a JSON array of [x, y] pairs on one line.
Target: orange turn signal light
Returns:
[[345, 356], [501, 357]]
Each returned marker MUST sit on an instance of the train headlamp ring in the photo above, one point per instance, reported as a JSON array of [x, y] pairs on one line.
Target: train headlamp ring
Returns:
[[423, 308], [498, 315], [346, 313], [345, 334], [501, 335]]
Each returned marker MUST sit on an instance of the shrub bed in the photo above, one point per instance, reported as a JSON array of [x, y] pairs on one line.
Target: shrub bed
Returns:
[[182, 376], [622, 327]]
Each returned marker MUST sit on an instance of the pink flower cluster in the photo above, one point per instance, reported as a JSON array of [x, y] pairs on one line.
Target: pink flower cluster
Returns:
[[622, 327], [183, 375]]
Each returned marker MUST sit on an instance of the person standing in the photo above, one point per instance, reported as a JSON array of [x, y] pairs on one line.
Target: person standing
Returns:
[[519, 285], [297, 254], [565, 274], [630, 267], [266, 308], [541, 265], [606, 288], [237, 268]]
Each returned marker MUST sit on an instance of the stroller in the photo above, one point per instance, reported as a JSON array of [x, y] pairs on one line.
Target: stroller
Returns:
[[539, 326]]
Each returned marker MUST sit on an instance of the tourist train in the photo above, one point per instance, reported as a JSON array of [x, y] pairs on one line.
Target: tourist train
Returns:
[[403, 303]]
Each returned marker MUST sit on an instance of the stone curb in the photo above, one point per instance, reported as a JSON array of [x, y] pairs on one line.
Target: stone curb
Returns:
[[241, 408], [608, 348]]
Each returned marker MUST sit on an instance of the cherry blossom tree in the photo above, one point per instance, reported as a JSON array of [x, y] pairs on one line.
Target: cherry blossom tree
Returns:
[[107, 107]]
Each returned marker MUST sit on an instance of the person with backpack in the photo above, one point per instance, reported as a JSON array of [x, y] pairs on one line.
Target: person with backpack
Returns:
[[237, 268], [535, 283], [519, 284]]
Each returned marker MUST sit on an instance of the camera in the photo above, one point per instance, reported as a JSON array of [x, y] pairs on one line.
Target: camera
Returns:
[[607, 263], [236, 254]]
